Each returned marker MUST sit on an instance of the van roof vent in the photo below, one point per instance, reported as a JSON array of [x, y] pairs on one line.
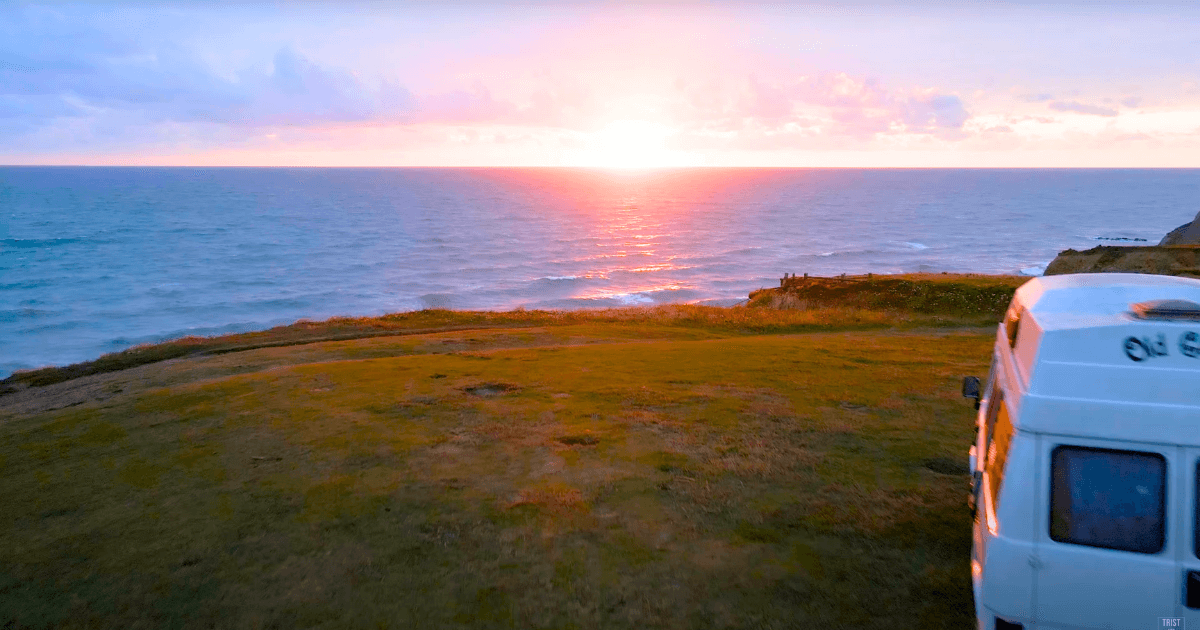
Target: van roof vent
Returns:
[[1167, 309]]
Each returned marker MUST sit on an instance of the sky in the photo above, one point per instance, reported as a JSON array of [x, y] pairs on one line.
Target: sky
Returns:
[[595, 83]]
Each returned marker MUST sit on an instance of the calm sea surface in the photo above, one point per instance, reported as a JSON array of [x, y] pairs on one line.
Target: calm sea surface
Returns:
[[94, 260]]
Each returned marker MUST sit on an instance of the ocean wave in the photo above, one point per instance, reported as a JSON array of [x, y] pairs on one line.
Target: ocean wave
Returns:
[[15, 314], [234, 283], [7, 368], [73, 324], [120, 343], [29, 284], [438, 300], [848, 252], [605, 300], [168, 289], [649, 295], [631, 299], [916, 246], [1119, 238], [721, 302], [34, 243]]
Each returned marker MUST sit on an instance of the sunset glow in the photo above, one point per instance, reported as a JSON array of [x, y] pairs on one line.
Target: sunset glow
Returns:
[[631, 144], [600, 84]]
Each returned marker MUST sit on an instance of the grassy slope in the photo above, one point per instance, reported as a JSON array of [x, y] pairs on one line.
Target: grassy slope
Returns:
[[953, 296], [801, 305], [1171, 260], [679, 468]]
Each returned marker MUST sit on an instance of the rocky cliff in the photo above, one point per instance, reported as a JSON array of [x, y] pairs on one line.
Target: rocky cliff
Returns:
[[1180, 260], [1186, 234]]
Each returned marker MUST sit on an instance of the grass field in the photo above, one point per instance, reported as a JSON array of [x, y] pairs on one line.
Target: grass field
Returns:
[[679, 467]]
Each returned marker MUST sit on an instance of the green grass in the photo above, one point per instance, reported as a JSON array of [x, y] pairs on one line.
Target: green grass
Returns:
[[957, 297], [804, 304], [678, 468]]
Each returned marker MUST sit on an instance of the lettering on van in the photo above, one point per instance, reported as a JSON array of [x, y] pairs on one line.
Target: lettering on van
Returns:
[[1189, 344], [1140, 349]]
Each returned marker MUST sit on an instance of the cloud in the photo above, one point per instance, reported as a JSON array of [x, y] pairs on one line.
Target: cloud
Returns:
[[172, 86], [1081, 108], [54, 68], [840, 90], [476, 105], [864, 107], [297, 91], [933, 111], [58, 65], [825, 105], [89, 79], [765, 101], [36, 106]]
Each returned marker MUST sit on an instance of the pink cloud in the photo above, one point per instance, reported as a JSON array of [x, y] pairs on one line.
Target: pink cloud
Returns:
[[836, 104], [476, 105], [1082, 108]]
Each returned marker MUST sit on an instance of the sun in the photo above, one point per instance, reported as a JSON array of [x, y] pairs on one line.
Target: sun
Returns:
[[631, 144]]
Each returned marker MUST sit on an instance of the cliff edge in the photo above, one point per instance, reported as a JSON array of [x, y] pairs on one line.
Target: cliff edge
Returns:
[[1171, 260], [1186, 234]]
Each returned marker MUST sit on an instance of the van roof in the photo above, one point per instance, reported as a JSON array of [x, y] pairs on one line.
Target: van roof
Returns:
[[1083, 363], [1087, 300]]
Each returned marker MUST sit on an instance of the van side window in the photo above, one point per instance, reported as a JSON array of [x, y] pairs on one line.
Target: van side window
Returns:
[[1107, 498], [1000, 431]]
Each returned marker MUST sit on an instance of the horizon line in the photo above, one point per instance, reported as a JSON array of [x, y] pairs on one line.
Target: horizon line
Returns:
[[611, 168]]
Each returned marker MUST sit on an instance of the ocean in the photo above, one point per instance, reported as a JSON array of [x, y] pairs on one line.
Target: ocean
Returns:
[[96, 259]]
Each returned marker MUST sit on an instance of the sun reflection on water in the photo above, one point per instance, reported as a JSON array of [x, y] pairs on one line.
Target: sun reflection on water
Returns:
[[633, 240]]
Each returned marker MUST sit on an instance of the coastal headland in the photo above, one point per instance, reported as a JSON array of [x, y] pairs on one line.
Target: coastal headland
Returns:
[[799, 461], [1168, 260]]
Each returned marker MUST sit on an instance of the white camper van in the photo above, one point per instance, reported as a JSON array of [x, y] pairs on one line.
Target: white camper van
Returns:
[[1086, 486]]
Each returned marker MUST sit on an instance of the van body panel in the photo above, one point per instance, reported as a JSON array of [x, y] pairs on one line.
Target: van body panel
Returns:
[[1125, 384], [1086, 318], [1103, 589], [1025, 352], [1002, 537], [1005, 555], [1009, 377], [1105, 345], [1017, 498], [1110, 420], [1087, 294], [1095, 522], [1188, 551], [1007, 562], [1080, 586]]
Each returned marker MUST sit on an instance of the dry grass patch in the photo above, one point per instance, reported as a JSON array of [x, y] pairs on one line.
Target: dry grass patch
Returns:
[[699, 477], [554, 498]]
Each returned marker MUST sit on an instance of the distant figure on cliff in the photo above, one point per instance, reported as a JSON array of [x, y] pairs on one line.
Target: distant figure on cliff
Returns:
[[1186, 234]]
